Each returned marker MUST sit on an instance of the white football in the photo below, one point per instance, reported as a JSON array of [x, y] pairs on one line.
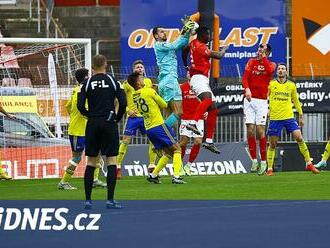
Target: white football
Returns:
[[195, 26]]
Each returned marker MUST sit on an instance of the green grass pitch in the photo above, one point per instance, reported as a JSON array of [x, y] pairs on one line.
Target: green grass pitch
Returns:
[[282, 186]]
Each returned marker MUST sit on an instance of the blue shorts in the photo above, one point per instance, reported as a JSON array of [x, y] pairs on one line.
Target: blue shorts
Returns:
[[77, 143], [275, 127], [161, 136], [169, 89], [133, 124]]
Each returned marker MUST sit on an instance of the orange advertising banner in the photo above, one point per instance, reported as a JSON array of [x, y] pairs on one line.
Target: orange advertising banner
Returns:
[[46, 108], [38, 162], [310, 38]]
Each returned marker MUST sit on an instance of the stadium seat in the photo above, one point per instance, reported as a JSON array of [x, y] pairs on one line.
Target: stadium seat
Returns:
[[24, 82], [8, 82]]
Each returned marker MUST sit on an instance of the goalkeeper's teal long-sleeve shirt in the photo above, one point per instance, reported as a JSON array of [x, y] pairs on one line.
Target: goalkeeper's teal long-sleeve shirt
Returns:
[[166, 56]]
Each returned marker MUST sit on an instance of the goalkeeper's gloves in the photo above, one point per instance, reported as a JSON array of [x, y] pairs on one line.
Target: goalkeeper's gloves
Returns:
[[187, 27]]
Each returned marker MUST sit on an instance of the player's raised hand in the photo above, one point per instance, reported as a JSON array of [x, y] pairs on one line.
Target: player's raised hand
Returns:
[[188, 26], [224, 48]]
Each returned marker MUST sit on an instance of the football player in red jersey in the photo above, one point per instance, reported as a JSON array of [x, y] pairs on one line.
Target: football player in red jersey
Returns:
[[257, 75], [199, 72], [189, 103]]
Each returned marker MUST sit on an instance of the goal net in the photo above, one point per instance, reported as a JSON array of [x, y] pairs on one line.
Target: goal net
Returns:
[[37, 77]]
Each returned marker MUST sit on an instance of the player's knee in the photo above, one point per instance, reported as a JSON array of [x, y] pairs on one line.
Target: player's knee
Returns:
[[176, 148], [126, 140], [273, 144], [250, 130]]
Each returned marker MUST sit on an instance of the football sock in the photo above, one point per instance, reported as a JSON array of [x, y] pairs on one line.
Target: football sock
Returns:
[[88, 181], [96, 173], [211, 122], [326, 153], [162, 162], [152, 154], [304, 151], [172, 119], [263, 148], [121, 153], [68, 172], [252, 142], [194, 152], [177, 163], [270, 157], [202, 108], [111, 180]]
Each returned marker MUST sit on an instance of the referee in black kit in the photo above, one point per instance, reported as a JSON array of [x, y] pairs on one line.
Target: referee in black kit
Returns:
[[100, 91]]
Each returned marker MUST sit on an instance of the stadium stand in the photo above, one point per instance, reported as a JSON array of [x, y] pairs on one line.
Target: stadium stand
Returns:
[[8, 82], [24, 82]]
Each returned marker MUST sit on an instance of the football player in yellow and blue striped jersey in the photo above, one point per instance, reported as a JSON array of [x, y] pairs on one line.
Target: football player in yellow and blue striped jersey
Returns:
[[76, 131], [282, 93], [134, 120], [149, 103]]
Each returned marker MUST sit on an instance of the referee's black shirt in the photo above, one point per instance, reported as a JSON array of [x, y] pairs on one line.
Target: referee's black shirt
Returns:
[[101, 90]]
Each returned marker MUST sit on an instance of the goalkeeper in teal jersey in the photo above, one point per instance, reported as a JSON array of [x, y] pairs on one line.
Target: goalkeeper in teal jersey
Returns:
[[168, 85]]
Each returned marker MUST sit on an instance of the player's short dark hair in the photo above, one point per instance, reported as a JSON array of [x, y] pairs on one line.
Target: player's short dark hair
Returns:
[[139, 61], [132, 79], [155, 30], [202, 31], [81, 74], [99, 60], [283, 65]]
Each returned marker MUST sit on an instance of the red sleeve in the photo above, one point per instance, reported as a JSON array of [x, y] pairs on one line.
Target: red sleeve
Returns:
[[247, 73], [269, 66]]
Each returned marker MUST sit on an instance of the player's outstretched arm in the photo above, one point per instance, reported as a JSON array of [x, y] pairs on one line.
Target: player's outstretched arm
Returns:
[[179, 43], [220, 54]]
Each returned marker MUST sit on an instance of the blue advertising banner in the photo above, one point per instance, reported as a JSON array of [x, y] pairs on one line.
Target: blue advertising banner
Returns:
[[233, 159], [244, 24]]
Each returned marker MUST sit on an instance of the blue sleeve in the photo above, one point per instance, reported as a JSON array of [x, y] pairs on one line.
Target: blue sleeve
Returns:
[[179, 43]]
